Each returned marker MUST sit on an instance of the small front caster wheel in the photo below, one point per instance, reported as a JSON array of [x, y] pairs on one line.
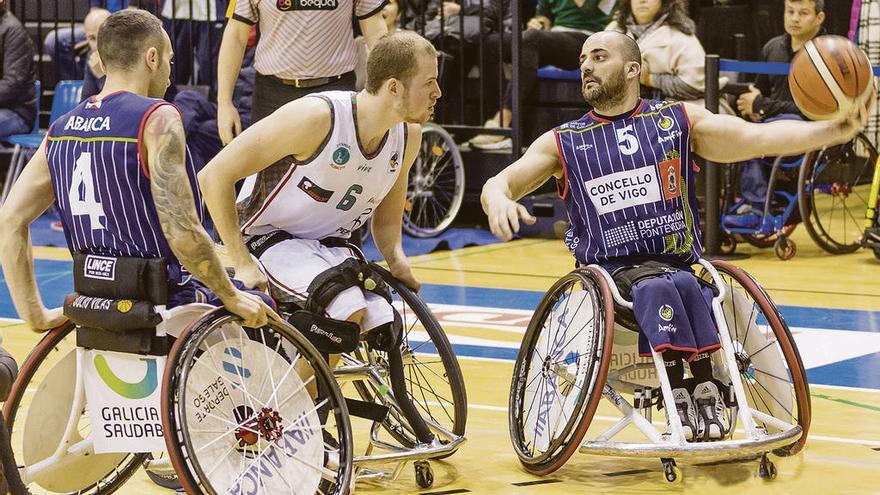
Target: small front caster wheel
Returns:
[[424, 474]]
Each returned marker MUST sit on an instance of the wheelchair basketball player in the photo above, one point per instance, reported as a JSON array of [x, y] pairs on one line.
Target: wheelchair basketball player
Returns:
[[627, 174]]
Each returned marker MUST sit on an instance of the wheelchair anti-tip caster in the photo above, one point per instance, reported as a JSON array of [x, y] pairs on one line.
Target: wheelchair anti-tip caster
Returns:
[[767, 470], [785, 248], [424, 474], [671, 472]]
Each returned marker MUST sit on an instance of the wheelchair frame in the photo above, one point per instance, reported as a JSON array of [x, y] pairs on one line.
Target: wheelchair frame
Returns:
[[758, 442]]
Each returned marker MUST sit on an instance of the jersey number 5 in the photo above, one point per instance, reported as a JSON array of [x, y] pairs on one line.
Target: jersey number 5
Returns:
[[82, 192], [627, 141]]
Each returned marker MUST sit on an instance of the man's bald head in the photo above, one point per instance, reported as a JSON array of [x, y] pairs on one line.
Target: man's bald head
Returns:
[[92, 24], [625, 46]]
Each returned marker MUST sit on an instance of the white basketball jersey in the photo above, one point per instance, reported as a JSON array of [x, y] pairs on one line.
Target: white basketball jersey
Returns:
[[331, 193]]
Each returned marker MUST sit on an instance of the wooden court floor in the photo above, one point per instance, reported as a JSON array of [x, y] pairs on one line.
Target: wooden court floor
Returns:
[[484, 295]]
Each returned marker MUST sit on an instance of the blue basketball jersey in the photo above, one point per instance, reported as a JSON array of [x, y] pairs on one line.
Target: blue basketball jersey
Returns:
[[629, 185], [102, 184]]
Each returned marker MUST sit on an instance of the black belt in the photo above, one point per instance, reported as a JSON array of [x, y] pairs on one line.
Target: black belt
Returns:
[[259, 244], [308, 83]]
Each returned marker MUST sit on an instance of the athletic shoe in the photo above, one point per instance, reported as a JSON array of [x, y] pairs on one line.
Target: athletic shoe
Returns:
[[686, 413], [489, 141], [711, 411], [503, 144], [744, 221]]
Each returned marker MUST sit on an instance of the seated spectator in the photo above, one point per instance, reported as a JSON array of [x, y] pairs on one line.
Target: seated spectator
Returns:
[[93, 78], [770, 99], [553, 37], [673, 60], [18, 103], [68, 46]]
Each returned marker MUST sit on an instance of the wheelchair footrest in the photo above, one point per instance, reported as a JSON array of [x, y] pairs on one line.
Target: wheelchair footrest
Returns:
[[141, 341], [367, 410]]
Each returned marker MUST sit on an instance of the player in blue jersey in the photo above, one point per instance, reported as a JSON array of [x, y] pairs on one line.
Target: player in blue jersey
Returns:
[[123, 180], [626, 172]]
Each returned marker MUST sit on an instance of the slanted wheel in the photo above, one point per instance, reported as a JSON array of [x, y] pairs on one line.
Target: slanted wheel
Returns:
[[561, 370], [431, 370], [436, 184], [246, 408], [37, 413], [833, 190], [767, 357]]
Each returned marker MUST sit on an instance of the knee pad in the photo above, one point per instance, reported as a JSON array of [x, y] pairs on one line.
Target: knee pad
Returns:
[[326, 334], [386, 337], [8, 373]]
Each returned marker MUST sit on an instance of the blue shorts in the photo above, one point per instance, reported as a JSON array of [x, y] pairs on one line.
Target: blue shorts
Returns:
[[194, 291], [674, 311]]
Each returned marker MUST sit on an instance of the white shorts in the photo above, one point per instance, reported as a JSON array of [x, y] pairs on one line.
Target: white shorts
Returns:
[[291, 265]]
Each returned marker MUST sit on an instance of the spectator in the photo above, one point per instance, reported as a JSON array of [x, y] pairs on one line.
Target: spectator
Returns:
[[94, 70], [68, 46], [673, 60], [553, 37], [18, 102], [301, 50], [195, 28], [93, 79], [770, 99]]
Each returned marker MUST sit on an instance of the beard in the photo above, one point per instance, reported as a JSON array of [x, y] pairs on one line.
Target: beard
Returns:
[[609, 92]]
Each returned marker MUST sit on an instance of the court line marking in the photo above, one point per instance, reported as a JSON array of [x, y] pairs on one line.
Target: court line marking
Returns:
[[824, 438]]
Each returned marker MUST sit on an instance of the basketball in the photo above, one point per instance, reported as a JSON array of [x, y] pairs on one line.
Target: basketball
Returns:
[[828, 77]]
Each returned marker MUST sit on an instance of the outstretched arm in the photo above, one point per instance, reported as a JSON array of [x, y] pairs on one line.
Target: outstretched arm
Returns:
[[728, 139], [30, 197], [165, 149], [388, 218], [500, 193]]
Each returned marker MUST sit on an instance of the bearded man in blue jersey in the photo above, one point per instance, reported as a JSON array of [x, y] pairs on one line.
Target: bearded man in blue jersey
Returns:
[[627, 175]]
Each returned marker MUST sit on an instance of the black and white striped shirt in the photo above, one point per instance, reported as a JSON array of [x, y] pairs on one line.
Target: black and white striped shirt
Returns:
[[305, 39]]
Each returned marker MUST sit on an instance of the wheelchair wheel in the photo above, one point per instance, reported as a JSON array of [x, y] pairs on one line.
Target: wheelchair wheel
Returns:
[[37, 413], [772, 372], [560, 371], [436, 184], [431, 372], [833, 190], [240, 416]]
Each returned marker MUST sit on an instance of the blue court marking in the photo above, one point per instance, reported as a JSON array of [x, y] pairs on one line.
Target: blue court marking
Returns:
[[55, 282]]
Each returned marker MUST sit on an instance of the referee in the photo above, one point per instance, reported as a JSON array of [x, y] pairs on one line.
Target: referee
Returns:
[[305, 46]]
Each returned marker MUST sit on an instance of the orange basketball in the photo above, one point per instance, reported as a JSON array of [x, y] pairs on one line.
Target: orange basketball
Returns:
[[828, 77]]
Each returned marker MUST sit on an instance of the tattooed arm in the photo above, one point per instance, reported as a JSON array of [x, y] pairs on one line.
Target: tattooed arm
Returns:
[[31, 195], [165, 152]]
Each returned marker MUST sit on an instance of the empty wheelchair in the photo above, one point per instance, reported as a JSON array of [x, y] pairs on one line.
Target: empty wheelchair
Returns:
[[436, 184], [231, 405], [412, 394], [579, 348]]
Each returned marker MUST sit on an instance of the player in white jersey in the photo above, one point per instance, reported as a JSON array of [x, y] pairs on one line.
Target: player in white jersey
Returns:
[[320, 167]]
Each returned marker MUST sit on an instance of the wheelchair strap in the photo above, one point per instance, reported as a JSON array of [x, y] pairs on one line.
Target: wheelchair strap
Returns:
[[367, 410], [259, 244], [350, 273]]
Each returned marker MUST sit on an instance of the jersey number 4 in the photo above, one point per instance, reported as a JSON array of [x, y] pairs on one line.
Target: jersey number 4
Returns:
[[82, 192], [627, 140]]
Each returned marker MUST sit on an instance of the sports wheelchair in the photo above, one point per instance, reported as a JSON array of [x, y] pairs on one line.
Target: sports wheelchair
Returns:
[[579, 348], [410, 390], [831, 194], [92, 401]]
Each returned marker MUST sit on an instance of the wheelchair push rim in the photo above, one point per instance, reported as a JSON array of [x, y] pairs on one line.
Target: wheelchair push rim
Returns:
[[437, 392], [232, 424], [770, 366], [435, 188], [48, 371], [833, 194], [554, 359]]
